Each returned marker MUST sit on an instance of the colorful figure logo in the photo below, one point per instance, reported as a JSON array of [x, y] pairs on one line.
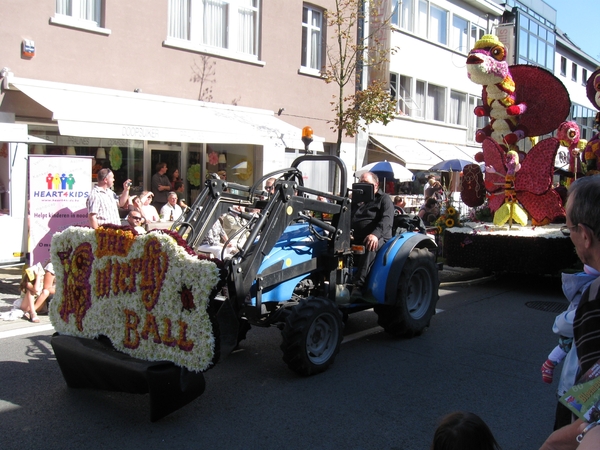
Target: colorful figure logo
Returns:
[[60, 182]]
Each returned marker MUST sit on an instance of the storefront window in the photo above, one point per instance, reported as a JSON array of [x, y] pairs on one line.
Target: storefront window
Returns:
[[123, 156], [234, 163], [194, 181]]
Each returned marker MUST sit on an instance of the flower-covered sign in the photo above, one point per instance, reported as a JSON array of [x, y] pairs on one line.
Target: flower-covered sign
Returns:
[[146, 293]]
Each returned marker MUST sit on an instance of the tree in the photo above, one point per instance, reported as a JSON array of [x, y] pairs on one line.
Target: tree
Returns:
[[352, 55], [204, 73]]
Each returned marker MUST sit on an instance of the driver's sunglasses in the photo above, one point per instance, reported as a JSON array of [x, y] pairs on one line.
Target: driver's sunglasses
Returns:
[[136, 217]]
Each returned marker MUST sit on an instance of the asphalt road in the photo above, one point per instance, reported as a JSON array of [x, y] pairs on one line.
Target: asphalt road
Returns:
[[482, 353]]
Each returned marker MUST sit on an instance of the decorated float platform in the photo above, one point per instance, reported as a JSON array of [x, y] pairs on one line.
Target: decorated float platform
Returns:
[[516, 249], [131, 314]]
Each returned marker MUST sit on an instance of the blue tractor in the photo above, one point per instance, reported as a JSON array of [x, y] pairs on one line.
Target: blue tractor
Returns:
[[289, 264]]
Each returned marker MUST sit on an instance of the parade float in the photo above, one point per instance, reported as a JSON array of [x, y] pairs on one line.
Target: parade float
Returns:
[[130, 314], [516, 186]]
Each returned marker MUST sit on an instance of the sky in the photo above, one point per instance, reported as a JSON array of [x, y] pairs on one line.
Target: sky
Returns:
[[580, 20]]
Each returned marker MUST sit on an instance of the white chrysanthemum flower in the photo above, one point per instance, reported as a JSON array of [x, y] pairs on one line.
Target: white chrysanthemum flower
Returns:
[[122, 272]]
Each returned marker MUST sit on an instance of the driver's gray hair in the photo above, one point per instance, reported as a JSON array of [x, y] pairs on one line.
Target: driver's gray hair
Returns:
[[374, 177], [584, 196]]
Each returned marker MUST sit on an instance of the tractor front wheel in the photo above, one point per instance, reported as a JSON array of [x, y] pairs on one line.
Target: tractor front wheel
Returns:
[[312, 334]]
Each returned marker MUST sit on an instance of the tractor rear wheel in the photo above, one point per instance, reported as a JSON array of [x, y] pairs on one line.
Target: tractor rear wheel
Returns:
[[416, 297], [312, 334]]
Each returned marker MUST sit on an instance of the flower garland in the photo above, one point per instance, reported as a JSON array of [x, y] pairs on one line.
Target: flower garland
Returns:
[[147, 293]]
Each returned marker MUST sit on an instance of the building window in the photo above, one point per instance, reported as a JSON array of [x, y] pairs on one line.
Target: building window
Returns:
[[231, 25], [438, 22], [406, 103], [312, 40], [574, 72], [474, 122], [400, 90], [81, 10], [563, 66], [404, 14], [584, 76], [584, 117], [421, 26], [536, 40], [394, 86], [419, 100], [430, 101], [458, 108], [395, 17], [460, 35], [432, 22], [477, 33], [435, 108]]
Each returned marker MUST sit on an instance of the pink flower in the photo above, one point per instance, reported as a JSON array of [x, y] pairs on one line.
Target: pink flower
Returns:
[[213, 158]]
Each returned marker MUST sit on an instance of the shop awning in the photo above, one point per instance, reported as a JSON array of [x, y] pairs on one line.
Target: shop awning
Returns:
[[446, 151], [105, 113], [414, 155], [471, 151], [17, 132]]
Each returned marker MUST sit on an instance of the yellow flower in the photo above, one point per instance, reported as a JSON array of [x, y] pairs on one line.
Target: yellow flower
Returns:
[[439, 229], [450, 223], [451, 211]]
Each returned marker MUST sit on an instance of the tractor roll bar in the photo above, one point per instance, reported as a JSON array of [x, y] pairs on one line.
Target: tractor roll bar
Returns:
[[338, 162]]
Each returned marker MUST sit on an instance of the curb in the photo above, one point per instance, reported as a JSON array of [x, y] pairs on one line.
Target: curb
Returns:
[[470, 282]]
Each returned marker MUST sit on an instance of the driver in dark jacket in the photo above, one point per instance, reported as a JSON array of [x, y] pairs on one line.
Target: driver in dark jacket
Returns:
[[372, 227]]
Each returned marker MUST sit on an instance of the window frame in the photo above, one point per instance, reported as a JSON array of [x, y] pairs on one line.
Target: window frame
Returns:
[[584, 118], [414, 96], [403, 15], [307, 50], [441, 30], [196, 35], [401, 91], [461, 112], [72, 18], [574, 69], [477, 32], [536, 41], [421, 23], [436, 93], [463, 47], [563, 66], [474, 122]]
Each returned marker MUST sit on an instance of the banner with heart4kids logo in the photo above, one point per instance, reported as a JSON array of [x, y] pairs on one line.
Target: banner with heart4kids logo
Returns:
[[58, 190]]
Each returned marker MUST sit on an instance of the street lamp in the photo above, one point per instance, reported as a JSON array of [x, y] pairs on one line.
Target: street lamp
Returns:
[[307, 137]]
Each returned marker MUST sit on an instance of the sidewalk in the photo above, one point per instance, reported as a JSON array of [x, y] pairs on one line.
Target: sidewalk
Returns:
[[10, 277]]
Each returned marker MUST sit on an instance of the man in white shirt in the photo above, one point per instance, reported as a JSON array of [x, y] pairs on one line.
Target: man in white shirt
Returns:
[[171, 211], [102, 202]]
